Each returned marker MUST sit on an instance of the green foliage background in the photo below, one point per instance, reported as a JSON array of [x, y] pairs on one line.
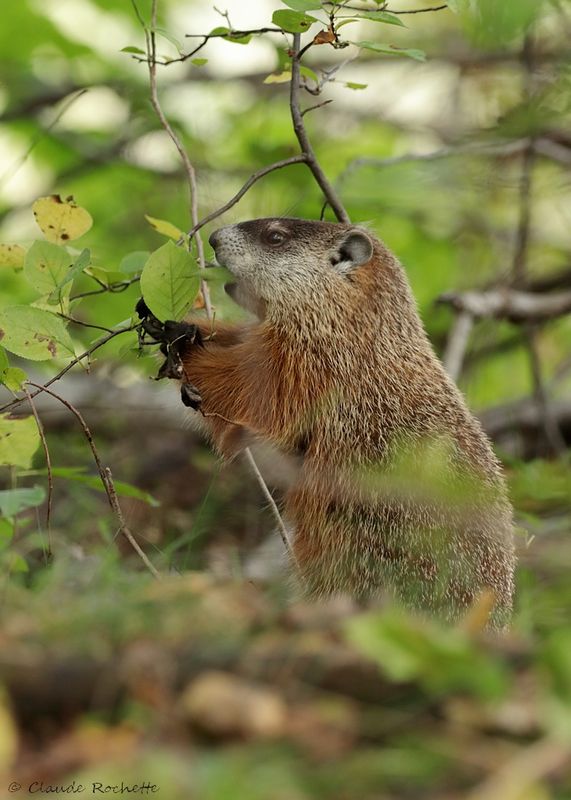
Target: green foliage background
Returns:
[[441, 727]]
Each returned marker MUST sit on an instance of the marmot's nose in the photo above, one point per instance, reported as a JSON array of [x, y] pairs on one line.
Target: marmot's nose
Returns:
[[214, 239]]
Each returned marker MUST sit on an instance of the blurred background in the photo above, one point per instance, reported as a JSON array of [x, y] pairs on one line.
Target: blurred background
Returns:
[[456, 151]]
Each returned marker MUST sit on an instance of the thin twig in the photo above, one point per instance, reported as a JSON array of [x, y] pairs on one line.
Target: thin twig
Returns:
[[301, 159], [302, 137], [188, 167], [457, 344], [388, 10], [283, 531], [105, 474], [95, 346], [42, 434]]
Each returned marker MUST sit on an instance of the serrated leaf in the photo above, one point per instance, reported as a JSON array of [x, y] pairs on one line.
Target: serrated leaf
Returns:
[[302, 5], [34, 333], [12, 255], [61, 220], [381, 16], [19, 440], [13, 378], [389, 49], [278, 77], [293, 21], [169, 282], [46, 266], [134, 262], [351, 85], [165, 228], [131, 49]]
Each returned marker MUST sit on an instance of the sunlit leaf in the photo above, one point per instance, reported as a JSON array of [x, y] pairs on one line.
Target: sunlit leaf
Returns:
[[19, 440], [13, 378], [279, 77], [164, 227], [12, 255], [292, 21], [61, 220], [34, 333]]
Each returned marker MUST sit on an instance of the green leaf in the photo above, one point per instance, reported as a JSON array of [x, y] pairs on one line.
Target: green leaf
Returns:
[[199, 62], [170, 38], [303, 5], [293, 21], [453, 6], [279, 77], [215, 274], [169, 282], [46, 266], [389, 49], [12, 501], [108, 277], [134, 262], [381, 16], [350, 85], [94, 482], [131, 49], [6, 533], [165, 228], [227, 34], [12, 255], [4, 363], [13, 378], [34, 333], [19, 440], [17, 563]]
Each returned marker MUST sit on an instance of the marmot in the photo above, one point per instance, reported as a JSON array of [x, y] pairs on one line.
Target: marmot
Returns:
[[398, 488]]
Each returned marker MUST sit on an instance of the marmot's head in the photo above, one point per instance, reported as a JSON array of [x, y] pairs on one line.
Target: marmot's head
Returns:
[[279, 260]]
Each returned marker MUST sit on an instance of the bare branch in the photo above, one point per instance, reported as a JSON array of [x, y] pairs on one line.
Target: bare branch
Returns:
[[188, 166], [95, 346], [302, 137], [301, 159], [510, 304], [457, 344], [105, 475]]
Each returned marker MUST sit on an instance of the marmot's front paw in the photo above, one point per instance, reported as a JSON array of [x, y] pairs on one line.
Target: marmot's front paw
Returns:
[[175, 338]]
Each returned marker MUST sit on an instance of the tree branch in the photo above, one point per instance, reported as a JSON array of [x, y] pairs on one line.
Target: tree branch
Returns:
[[302, 137], [510, 304], [301, 159], [106, 478]]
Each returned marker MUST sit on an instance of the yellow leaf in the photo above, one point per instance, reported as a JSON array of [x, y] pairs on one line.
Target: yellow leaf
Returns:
[[12, 255], [61, 220], [164, 227], [279, 77]]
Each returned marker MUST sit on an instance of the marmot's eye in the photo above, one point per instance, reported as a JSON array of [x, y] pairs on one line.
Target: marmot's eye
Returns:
[[275, 237]]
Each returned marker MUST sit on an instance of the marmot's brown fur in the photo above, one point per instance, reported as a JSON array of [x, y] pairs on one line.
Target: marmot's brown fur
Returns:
[[398, 488]]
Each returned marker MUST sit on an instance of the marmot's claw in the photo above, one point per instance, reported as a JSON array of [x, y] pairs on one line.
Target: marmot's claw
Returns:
[[190, 396], [175, 338]]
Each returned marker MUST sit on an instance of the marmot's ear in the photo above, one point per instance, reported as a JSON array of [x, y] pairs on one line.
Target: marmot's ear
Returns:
[[354, 250]]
